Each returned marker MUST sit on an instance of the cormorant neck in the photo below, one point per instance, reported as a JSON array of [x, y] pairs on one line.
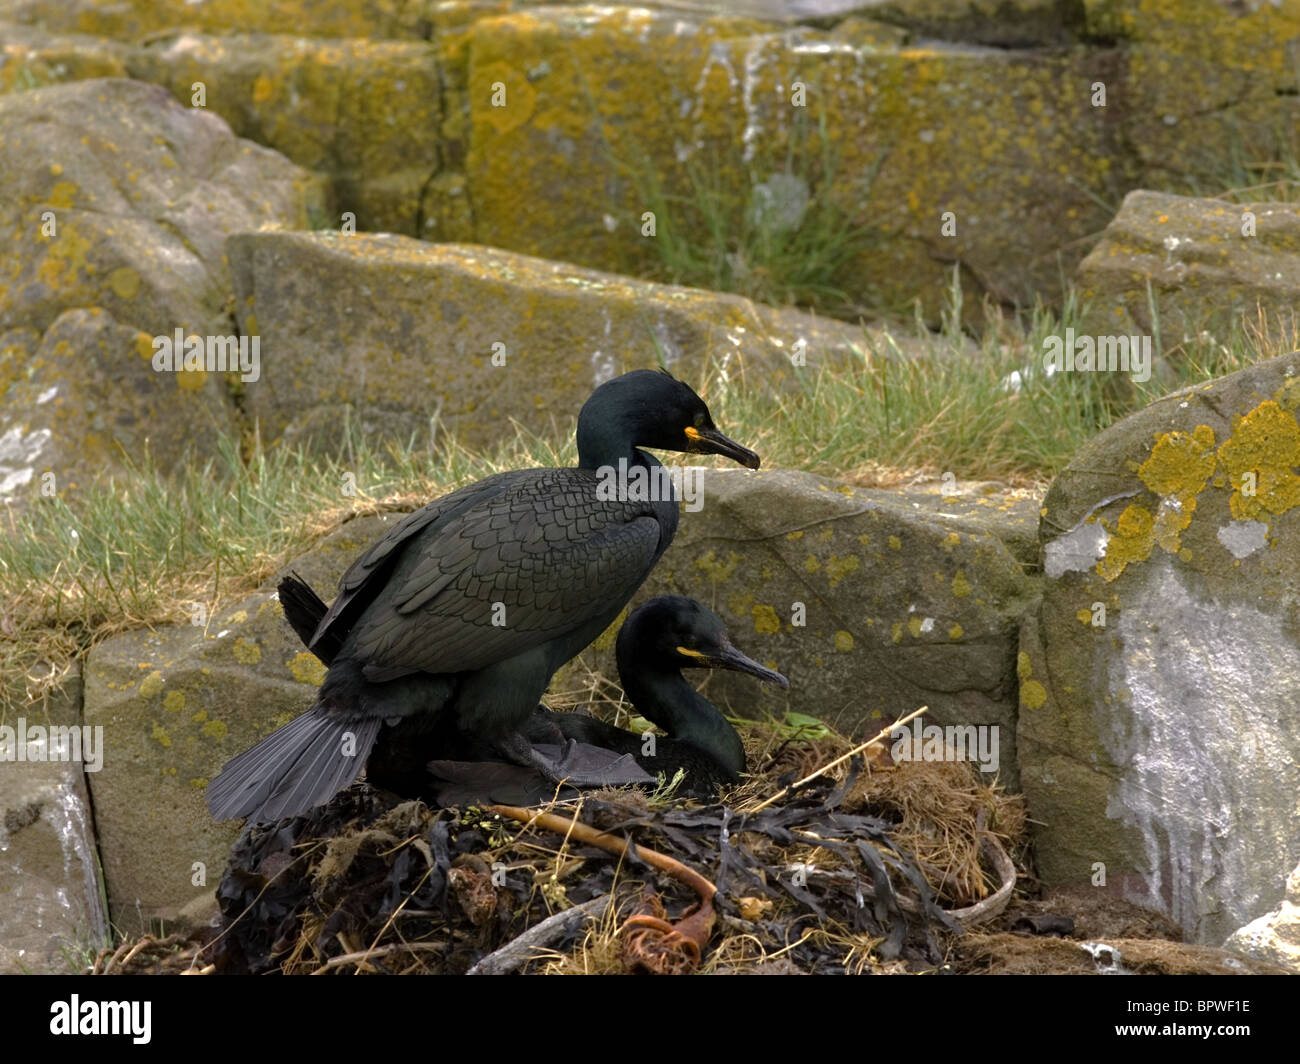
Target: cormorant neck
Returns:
[[664, 696], [603, 444]]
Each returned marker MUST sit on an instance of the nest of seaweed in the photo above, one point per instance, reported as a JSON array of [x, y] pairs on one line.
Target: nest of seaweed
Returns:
[[870, 868], [864, 869]]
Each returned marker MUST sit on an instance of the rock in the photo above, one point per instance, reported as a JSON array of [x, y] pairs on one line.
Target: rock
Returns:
[[1159, 747], [30, 58], [129, 20], [1202, 80], [117, 208], [51, 918], [1203, 263], [416, 326], [904, 126], [552, 130], [93, 398], [1018, 24], [175, 705], [363, 114], [1274, 937], [908, 599]]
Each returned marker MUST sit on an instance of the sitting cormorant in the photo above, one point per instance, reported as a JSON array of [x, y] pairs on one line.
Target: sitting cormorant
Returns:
[[661, 638], [471, 603]]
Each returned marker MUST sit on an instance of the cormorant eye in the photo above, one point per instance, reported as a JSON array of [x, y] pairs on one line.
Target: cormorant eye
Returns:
[[699, 420]]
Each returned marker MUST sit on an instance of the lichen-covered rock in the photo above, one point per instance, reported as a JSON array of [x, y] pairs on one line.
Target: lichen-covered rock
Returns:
[[73, 401], [51, 918], [31, 58], [872, 602], [1158, 681], [1203, 82], [364, 114], [997, 23], [129, 20], [565, 144], [175, 705], [1195, 263], [117, 205], [477, 335], [1275, 936]]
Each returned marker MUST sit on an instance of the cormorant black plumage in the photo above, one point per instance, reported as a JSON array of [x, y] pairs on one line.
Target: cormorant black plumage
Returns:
[[471, 603]]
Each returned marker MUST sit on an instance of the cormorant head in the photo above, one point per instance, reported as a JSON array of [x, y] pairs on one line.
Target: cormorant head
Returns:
[[671, 632], [646, 408]]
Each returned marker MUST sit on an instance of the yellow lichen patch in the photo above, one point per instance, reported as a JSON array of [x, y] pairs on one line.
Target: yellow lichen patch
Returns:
[[1178, 468], [960, 585], [718, 570], [1083, 616], [124, 282], [895, 543], [794, 535], [262, 89], [843, 641], [1032, 694], [1180, 463], [955, 631], [200, 716], [838, 568], [1263, 448], [504, 97], [65, 258], [1132, 541], [811, 564], [62, 195], [1288, 395], [191, 380], [151, 684], [239, 617], [951, 540], [307, 668], [160, 733], [914, 626], [896, 631], [766, 622], [215, 729], [1171, 521], [246, 651], [174, 701]]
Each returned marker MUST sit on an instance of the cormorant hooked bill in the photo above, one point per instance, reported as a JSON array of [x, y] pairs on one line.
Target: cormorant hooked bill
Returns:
[[471, 603]]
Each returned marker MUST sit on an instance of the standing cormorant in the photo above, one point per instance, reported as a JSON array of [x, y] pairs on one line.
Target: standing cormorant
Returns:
[[471, 603]]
